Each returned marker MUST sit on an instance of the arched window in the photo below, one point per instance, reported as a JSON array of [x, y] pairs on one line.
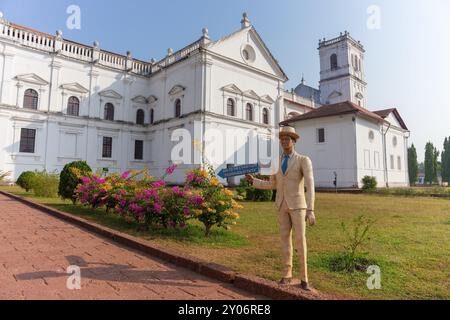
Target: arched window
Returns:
[[109, 112], [152, 116], [230, 107], [140, 116], [178, 108], [30, 99], [249, 112], [265, 116], [333, 61], [73, 106]]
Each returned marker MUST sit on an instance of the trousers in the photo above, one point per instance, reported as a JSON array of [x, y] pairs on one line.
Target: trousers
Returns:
[[293, 221]]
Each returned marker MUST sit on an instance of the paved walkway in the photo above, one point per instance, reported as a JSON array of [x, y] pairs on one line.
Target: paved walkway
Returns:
[[36, 249]]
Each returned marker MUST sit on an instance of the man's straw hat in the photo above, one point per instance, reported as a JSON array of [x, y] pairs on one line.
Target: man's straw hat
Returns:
[[288, 131]]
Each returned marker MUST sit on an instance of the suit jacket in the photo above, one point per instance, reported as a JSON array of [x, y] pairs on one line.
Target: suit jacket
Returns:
[[291, 185]]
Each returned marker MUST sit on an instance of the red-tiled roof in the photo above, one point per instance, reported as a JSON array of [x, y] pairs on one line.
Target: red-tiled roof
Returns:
[[334, 110], [386, 112]]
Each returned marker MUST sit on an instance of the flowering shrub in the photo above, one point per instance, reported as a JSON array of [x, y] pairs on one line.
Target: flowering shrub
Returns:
[[217, 208], [149, 201]]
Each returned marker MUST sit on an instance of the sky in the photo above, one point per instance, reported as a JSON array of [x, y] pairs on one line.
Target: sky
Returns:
[[407, 42]]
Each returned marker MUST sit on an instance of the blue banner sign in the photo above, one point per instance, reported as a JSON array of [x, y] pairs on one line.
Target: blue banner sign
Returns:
[[239, 170]]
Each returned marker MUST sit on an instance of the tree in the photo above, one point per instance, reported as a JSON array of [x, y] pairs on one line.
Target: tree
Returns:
[[445, 161], [431, 163], [436, 165], [413, 165], [70, 177]]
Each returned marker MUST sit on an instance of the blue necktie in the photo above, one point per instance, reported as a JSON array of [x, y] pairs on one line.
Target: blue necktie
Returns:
[[284, 165]]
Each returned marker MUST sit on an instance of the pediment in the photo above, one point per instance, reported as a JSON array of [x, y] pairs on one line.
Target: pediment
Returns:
[[266, 98], [232, 46], [32, 78], [176, 89], [232, 88], [251, 94], [152, 99], [74, 87], [334, 94], [139, 99], [110, 94]]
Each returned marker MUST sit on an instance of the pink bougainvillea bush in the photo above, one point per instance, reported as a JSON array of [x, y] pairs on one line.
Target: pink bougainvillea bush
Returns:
[[139, 197]]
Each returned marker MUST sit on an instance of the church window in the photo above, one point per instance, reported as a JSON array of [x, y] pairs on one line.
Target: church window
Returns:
[[333, 61], [178, 108], [138, 150], [399, 163], [30, 99], [230, 107], [394, 141], [371, 135], [321, 135], [27, 140], [73, 106], [109, 112], [140, 116], [107, 147], [392, 162], [265, 116], [249, 112]]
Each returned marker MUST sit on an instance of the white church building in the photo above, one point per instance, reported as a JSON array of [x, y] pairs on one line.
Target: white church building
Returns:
[[62, 101]]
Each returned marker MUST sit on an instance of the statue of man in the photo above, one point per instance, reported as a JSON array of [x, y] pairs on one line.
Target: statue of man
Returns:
[[294, 174]]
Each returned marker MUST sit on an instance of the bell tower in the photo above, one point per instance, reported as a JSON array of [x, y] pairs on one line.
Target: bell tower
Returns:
[[342, 76]]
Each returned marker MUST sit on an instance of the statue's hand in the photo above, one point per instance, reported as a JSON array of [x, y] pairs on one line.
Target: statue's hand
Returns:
[[310, 218]]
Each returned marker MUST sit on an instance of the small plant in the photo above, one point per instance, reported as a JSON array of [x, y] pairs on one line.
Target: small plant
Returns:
[[369, 183], [45, 184], [352, 258], [25, 180], [252, 194], [70, 178]]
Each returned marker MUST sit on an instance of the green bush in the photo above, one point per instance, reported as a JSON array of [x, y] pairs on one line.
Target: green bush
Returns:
[[45, 184], [25, 180], [252, 194], [369, 183], [70, 177]]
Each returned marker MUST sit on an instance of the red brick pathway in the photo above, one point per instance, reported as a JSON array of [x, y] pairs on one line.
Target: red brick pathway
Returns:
[[36, 249]]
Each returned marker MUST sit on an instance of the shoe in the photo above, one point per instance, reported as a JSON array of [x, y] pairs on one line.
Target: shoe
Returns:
[[305, 286], [285, 281]]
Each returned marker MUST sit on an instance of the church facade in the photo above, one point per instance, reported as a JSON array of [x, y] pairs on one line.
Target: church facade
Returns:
[[62, 101]]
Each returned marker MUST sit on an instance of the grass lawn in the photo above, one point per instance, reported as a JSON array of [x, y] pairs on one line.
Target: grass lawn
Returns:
[[410, 242]]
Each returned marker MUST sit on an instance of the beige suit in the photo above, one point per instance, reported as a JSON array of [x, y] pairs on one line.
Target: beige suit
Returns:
[[292, 205]]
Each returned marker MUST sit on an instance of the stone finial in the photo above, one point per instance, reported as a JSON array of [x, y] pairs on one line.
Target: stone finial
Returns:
[[59, 33], [152, 61], [129, 54], [303, 79], [169, 52], [245, 22], [205, 33], [96, 44]]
